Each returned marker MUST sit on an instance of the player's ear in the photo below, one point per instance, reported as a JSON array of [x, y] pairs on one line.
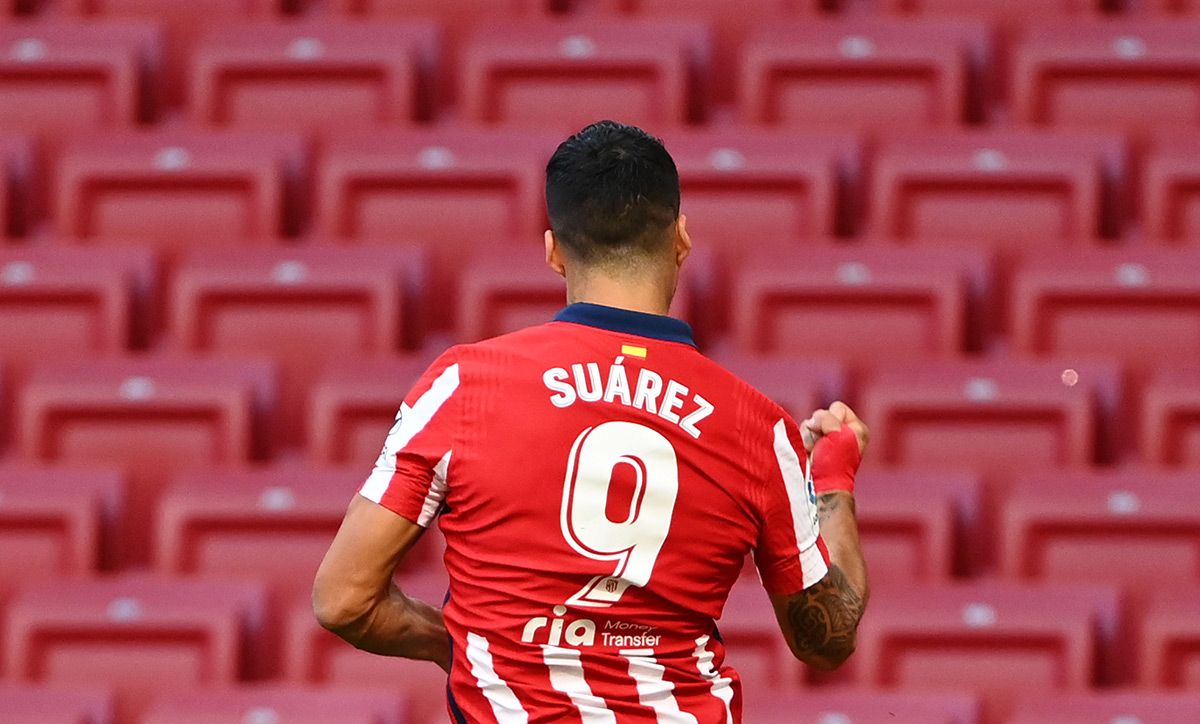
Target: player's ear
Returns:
[[683, 240], [554, 255]]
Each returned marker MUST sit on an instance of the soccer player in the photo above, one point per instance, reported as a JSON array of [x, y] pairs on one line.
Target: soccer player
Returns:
[[599, 483]]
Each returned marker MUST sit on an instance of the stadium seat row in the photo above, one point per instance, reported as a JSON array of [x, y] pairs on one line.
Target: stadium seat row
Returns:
[[865, 306], [159, 635], [208, 519], [861, 73], [1012, 190]]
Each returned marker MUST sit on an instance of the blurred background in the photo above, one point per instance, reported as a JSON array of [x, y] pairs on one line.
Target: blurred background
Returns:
[[233, 232]]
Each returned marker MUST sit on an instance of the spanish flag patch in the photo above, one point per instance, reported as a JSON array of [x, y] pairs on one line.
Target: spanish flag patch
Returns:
[[633, 351]]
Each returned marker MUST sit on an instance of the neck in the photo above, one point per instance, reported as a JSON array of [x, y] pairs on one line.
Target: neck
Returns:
[[647, 297]]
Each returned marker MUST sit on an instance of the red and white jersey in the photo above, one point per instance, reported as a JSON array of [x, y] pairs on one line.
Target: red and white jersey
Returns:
[[599, 483]]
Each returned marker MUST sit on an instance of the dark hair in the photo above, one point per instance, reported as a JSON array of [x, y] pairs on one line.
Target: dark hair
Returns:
[[612, 191]]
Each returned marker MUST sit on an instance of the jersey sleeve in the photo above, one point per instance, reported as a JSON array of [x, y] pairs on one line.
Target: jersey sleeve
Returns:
[[790, 554], [409, 478]]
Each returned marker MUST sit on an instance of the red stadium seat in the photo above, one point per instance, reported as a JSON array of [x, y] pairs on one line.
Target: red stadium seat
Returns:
[[1103, 527], [55, 522], [176, 189], [799, 386], [277, 703], [73, 302], [57, 77], [184, 20], [855, 305], [151, 417], [1137, 306], [1005, 188], [755, 646], [911, 537], [32, 704], [1170, 643], [213, 522], [752, 186], [302, 308], [1123, 707], [1170, 425], [1136, 76], [317, 657], [1017, 12], [565, 75], [1171, 192], [864, 74], [353, 405], [142, 636], [994, 640], [996, 418], [313, 76], [15, 177], [861, 706]]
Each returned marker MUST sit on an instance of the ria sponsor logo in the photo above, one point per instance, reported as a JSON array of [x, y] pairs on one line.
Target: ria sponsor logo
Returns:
[[582, 632]]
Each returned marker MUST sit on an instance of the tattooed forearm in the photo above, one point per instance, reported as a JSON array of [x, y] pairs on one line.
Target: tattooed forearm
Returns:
[[830, 502], [824, 619]]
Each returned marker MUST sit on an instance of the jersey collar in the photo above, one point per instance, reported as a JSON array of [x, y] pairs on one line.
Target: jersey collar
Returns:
[[627, 321]]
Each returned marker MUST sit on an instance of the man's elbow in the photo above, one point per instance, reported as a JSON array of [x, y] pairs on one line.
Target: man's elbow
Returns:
[[828, 658], [335, 609]]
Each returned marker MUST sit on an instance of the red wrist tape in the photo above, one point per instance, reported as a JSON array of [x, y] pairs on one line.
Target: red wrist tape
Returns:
[[835, 461]]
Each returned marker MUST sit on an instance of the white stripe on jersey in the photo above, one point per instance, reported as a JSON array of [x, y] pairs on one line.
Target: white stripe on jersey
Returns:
[[721, 685], [653, 690], [412, 421], [804, 511], [505, 705], [566, 676], [437, 492]]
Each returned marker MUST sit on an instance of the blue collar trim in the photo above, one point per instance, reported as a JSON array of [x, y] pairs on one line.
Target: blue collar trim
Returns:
[[627, 321]]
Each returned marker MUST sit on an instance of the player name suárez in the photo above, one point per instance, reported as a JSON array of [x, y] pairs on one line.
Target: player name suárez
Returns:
[[585, 382]]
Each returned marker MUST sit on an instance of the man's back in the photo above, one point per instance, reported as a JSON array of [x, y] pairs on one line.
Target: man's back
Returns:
[[599, 484]]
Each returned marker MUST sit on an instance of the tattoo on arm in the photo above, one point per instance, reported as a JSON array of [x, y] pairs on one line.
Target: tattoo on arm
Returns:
[[825, 617], [828, 503]]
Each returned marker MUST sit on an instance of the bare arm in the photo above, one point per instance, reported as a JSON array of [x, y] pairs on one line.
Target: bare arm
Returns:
[[821, 622], [355, 598]]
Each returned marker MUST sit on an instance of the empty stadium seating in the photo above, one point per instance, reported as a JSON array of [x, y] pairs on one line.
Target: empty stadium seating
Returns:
[[1124, 707], [1170, 419], [177, 188], [565, 75], [55, 522], [274, 303], [864, 74], [318, 76], [1169, 639], [852, 706], [353, 405], [1016, 13], [37, 704], [57, 77], [1170, 200], [1088, 527], [855, 305], [745, 188], [141, 636], [1138, 306], [1135, 76], [295, 705], [1014, 188], [151, 417], [996, 418], [909, 536], [73, 302], [991, 639], [317, 657]]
